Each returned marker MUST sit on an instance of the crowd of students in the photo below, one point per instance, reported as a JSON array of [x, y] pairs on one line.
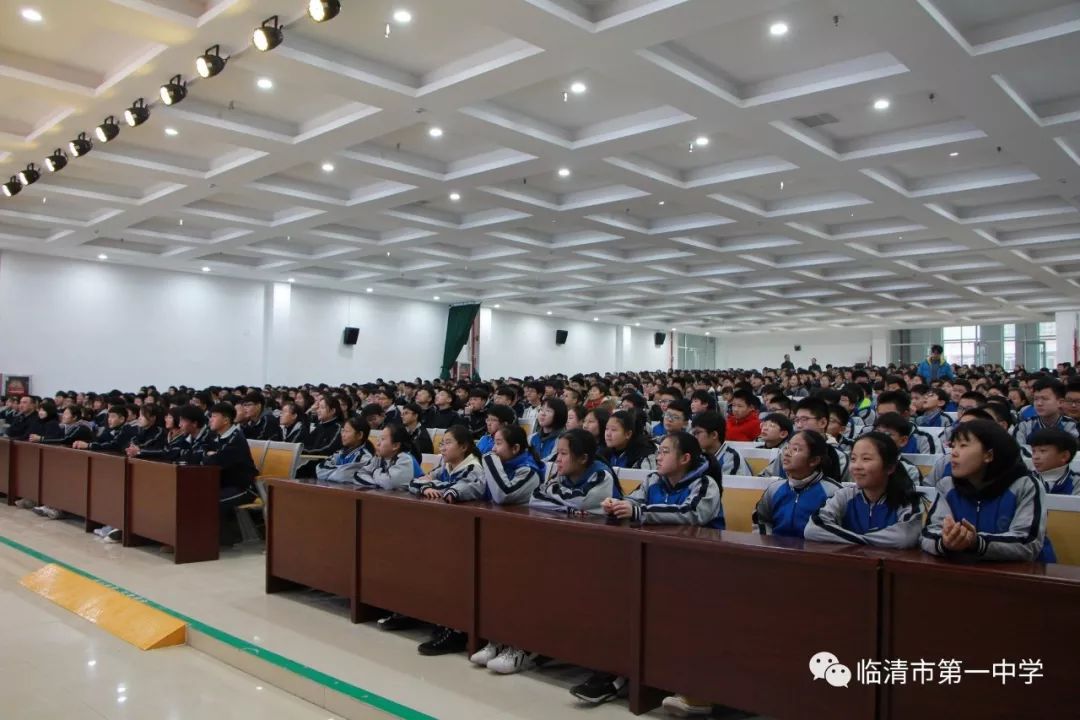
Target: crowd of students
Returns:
[[839, 474]]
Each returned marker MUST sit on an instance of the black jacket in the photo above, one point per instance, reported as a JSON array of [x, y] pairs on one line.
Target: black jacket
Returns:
[[50, 430], [183, 448], [115, 439], [421, 439], [23, 426], [324, 439], [265, 428], [151, 438], [70, 434], [298, 433], [231, 453], [442, 419]]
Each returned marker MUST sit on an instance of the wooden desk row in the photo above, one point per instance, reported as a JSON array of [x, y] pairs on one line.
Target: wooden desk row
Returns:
[[727, 616], [172, 504]]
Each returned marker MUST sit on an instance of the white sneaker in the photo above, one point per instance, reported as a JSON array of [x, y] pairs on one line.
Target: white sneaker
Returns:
[[102, 531], [39, 510], [113, 536], [512, 660], [486, 654], [681, 706], [52, 513], [24, 504]]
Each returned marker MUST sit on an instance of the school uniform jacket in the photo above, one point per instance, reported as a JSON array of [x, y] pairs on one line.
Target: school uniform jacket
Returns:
[[1025, 428], [731, 462], [296, 434], [1009, 516], [1062, 481], [913, 472], [383, 474], [486, 444], [229, 451], [943, 466], [324, 438], [934, 419], [265, 428], [505, 483], [421, 439], [634, 458], [442, 419], [545, 445], [114, 439], [584, 496], [467, 473], [150, 438], [23, 426], [840, 461], [786, 506], [921, 443], [850, 517], [695, 500], [343, 464], [79, 431]]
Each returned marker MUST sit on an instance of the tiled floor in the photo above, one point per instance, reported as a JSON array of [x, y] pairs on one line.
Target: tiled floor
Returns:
[[307, 627]]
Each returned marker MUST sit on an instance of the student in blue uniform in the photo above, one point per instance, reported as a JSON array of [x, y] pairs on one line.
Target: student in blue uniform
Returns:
[[710, 430], [933, 406], [896, 428], [676, 419], [686, 489], [1051, 451], [627, 445], [356, 453], [460, 467], [498, 416], [394, 466], [991, 507], [581, 480], [787, 504], [595, 422], [881, 510], [1047, 394], [550, 424], [919, 442]]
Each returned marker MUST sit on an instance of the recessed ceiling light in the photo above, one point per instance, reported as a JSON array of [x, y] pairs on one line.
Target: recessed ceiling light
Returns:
[[369, 289], [31, 15], [497, 306], [264, 83], [402, 17], [882, 104], [707, 332], [672, 329], [292, 280], [435, 132], [436, 297], [778, 29], [181, 221], [548, 312], [205, 269], [102, 256], [953, 154], [662, 203], [702, 141], [578, 87], [564, 172], [637, 324], [171, 131], [328, 167], [455, 196], [596, 319]]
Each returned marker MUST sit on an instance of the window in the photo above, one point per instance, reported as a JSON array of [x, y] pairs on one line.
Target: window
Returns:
[[961, 342]]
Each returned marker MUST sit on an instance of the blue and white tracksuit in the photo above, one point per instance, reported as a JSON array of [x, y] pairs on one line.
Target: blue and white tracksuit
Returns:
[[467, 472], [695, 500], [584, 496], [383, 474], [787, 505], [343, 464], [850, 517], [505, 483]]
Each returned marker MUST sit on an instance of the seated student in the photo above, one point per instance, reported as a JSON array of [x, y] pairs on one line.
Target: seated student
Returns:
[[498, 416], [1071, 405], [956, 389], [919, 442], [173, 434], [506, 395], [933, 405], [701, 401], [186, 448], [384, 398], [72, 429], [837, 429], [324, 438], [676, 418], [292, 427], [373, 415], [475, 415], [151, 434], [356, 453], [898, 429], [991, 507], [581, 481], [227, 448], [626, 444], [1051, 451], [743, 424], [421, 438], [813, 414], [710, 431], [26, 421], [595, 423], [1047, 394], [572, 397], [881, 510], [575, 415], [395, 464], [787, 504], [460, 467], [550, 424], [685, 489], [778, 404], [662, 399], [597, 396], [776, 430], [257, 425], [48, 427], [444, 415]]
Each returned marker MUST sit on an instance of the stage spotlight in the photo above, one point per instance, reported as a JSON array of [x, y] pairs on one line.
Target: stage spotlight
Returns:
[[107, 130], [30, 175], [210, 63], [56, 161], [12, 187], [173, 91], [137, 114], [323, 10], [268, 35], [80, 145]]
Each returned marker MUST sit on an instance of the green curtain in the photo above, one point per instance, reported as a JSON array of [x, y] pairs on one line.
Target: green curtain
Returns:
[[458, 326]]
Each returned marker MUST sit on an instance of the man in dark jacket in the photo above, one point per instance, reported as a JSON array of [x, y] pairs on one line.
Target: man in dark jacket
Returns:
[[26, 423]]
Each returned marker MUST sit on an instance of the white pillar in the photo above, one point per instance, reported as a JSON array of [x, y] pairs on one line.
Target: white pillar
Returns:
[[277, 308], [1067, 324]]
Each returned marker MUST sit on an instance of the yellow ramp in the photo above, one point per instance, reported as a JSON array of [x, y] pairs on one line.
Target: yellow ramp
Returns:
[[126, 618]]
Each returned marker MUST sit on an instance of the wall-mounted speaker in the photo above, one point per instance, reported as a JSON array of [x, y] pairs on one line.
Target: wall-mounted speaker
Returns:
[[560, 337], [350, 336], [798, 348], [659, 338]]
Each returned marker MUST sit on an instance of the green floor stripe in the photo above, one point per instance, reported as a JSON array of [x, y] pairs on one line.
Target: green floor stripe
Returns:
[[317, 676]]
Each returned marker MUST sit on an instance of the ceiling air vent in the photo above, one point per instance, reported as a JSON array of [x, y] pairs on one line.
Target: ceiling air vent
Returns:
[[813, 121]]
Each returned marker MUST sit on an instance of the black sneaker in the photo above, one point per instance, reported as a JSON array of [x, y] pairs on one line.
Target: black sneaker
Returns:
[[397, 621], [600, 688], [444, 641]]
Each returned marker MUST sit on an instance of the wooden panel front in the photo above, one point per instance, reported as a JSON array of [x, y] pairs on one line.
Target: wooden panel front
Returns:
[[738, 625], [562, 588], [107, 496], [417, 557], [26, 470], [152, 501], [311, 536], [5, 466], [64, 477]]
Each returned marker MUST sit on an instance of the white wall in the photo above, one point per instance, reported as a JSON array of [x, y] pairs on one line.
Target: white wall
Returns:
[[81, 325], [512, 344], [833, 345], [640, 351]]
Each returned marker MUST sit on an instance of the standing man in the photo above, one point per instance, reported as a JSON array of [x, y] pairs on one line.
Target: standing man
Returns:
[[787, 364], [934, 367]]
